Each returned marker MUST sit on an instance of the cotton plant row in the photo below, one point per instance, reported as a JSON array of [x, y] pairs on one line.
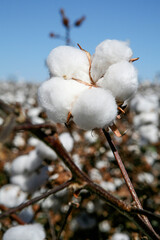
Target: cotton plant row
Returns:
[[88, 89]]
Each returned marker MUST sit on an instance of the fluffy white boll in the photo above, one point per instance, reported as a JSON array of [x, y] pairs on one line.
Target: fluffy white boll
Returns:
[[57, 97], [45, 152], [11, 195], [108, 52], [121, 80], [95, 108], [67, 141], [26, 163], [68, 62], [25, 232]]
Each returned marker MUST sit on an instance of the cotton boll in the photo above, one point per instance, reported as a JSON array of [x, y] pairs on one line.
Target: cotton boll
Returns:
[[68, 62], [107, 53], [11, 195], [19, 164], [95, 108], [120, 236], [26, 163], [19, 140], [25, 232], [67, 141], [145, 177], [45, 152], [20, 180], [149, 133], [121, 80], [146, 118], [57, 96], [145, 103]]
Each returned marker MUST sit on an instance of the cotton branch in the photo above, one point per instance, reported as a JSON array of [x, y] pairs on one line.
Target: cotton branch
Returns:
[[124, 173], [36, 199], [13, 216], [81, 180]]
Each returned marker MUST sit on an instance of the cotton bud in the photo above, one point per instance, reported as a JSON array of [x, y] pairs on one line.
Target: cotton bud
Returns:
[[108, 52], [68, 62], [95, 108], [121, 80], [57, 97]]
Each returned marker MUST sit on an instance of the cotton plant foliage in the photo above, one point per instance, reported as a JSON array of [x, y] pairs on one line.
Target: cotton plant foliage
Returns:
[[88, 89]]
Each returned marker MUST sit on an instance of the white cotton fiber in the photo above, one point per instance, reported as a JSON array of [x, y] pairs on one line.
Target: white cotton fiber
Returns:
[[57, 96], [67, 141], [26, 232], [68, 62], [108, 52], [11, 195], [45, 152], [145, 103], [121, 80], [120, 236], [95, 108], [26, 163]]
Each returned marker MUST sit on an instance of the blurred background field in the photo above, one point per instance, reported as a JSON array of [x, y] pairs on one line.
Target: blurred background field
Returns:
[[28, 163]]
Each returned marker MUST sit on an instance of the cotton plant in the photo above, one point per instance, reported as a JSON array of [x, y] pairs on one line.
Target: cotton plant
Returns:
[[89, 90]]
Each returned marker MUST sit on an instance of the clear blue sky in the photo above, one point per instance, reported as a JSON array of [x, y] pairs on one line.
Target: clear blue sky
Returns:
[[25, 27]]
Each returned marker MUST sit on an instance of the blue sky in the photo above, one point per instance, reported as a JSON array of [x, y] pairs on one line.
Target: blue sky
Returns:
[[25, 27]]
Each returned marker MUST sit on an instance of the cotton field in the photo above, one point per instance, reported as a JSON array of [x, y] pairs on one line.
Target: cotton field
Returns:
[[28, 168]]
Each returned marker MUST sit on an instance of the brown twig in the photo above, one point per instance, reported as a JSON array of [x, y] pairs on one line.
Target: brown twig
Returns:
[[13, 215], [36, 199], [124, 173], [146, 213], [65, 221], [82, 181]]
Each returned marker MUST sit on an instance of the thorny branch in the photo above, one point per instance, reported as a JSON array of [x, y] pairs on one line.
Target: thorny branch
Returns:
[[80, 180]]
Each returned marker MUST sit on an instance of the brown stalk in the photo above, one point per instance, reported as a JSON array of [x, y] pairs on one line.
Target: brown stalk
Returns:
[[125, 174], [13, 215], [36, 199], [84, 182]]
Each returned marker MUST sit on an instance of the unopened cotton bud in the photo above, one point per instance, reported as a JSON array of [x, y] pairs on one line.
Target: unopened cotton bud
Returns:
[[95, 108], [68, 62], [108, 52], [57, 97], [121, 80]]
